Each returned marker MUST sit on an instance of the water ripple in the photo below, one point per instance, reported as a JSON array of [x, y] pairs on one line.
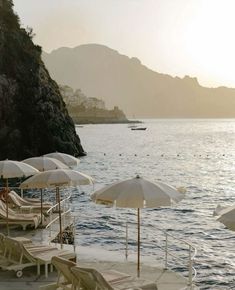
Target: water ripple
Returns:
[[196, 154]]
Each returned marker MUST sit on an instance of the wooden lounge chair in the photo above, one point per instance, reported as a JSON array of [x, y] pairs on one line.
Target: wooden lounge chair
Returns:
[[44, 253], [19, 255], [91, 279], [65, 276], [14, 258], [18, 218], [2, 247], [18, 202], [66, 280]]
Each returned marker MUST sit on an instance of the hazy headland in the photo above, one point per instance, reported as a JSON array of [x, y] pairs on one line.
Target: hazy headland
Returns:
[[140, 92]]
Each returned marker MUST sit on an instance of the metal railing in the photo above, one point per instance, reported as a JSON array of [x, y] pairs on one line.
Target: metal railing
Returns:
[[192, 252], [169, 252], [166, 248], [64, 205], [65, 212]]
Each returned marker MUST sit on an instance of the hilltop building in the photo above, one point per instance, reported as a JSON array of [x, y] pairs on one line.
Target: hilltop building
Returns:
[[89, 110]]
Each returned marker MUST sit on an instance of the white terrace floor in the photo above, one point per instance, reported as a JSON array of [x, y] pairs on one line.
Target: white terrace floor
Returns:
[[166, 280], [90, 257]]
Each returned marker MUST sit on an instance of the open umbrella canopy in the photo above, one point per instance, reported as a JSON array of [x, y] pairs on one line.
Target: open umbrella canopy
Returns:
[[57, 178], [67, 159], [227, 217], [14, 169], [137, 193], [44, 163]]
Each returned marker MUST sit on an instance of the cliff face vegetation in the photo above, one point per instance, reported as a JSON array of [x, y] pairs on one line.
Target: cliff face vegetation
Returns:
[[33, 116]]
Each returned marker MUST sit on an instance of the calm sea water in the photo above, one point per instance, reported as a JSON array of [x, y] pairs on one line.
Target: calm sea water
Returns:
[[196, 154]]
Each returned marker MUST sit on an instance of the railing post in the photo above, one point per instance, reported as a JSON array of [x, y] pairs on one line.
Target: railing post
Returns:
[[166, 252], [50, 224], [74, 234], [126, 240], [190, 273], [63, 214]]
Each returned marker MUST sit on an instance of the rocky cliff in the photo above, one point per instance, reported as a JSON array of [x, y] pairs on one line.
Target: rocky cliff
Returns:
[[33, 116]]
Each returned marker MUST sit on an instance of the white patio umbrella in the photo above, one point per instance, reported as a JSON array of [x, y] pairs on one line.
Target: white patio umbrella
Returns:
[[14, 169], [43, 163], [67, 159], [227, 217], [57, 178], [137, 193]]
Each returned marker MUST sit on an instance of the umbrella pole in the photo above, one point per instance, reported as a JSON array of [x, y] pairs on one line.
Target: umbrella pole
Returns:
[[138, 257], [8, 232], [60, 221], [41, 207]]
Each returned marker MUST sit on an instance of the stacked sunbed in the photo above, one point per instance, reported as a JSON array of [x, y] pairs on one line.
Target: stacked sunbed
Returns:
[[22, 211], [22, 204], [15, 218]]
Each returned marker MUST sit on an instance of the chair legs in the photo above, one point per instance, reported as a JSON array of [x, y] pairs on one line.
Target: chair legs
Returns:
[[38, 269]]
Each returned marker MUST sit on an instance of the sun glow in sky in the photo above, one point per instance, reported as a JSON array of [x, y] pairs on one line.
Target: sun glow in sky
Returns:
[[177, 37]]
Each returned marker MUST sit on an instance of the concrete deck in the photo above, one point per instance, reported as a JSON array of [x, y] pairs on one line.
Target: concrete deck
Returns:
[[29, 281], [90, 257], [165, 279]]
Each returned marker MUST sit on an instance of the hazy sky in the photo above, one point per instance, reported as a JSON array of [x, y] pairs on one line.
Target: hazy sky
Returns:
[[177, 37]]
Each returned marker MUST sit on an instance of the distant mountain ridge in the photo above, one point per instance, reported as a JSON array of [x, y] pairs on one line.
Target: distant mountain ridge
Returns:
[[122, 81]]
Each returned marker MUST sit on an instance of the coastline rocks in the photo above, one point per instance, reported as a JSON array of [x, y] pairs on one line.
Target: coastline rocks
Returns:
[[33, 116], [81, 115]]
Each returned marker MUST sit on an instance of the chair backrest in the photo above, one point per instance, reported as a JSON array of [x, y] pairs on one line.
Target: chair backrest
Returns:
[[3, 193], [3, 209], [18, 199], [27, 254], [2, 205], [2, 244], [3, 213], [63, 266], [24, 202], [90, 279], [14, 251], [12, 199]]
